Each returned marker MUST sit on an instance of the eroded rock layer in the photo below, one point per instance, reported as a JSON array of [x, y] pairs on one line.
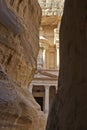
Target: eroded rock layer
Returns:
[[19, 45], [18, 109], [19, 27]]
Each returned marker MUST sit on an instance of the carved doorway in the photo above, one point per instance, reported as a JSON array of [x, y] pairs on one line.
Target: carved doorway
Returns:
[[39, 94]]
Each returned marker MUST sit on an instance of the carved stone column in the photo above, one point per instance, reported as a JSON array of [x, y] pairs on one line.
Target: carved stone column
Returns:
[[40, 59], [57, 57], [44, 53], [46, 100]]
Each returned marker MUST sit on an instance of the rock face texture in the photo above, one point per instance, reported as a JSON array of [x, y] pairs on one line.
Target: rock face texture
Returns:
[[69, 111], [18, 109], [19, 45], [19, 27]]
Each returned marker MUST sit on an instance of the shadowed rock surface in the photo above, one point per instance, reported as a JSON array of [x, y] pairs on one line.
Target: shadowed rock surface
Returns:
[[8, 18], [19, 45], [69, 111], [18, 109]]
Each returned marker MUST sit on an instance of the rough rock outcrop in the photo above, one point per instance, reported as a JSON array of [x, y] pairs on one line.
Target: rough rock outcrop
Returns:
[[18, 109], [69, 111], [19, 45], [19, 27]]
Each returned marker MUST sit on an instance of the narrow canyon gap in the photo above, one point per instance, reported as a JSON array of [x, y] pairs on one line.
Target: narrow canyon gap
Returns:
[[69, 110]]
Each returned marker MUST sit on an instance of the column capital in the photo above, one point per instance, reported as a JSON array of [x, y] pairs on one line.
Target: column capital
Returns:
[[47, 86]]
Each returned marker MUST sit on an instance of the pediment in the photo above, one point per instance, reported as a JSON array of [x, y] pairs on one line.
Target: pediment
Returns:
[[45, 74]]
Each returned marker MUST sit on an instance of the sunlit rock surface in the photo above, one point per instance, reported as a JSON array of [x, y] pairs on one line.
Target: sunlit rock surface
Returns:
[[19, 45], [19, 24]]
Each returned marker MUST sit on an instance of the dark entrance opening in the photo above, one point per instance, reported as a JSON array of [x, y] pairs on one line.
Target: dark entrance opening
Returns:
[[39, 100], [52, 95]]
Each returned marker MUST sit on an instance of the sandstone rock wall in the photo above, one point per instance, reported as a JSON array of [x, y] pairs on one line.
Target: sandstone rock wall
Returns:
[[18, 109], [19, 38], [19, 45], [69, 111]]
